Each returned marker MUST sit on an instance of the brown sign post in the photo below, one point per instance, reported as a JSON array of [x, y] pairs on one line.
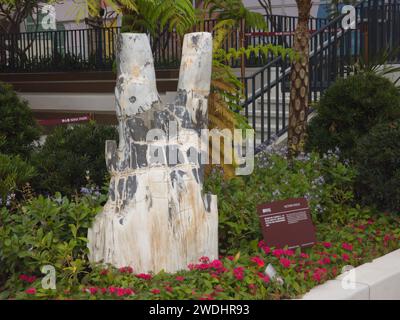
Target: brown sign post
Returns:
[[287, 223]]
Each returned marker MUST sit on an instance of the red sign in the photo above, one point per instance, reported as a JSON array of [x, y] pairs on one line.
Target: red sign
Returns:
[[52, 122], [287, 223]]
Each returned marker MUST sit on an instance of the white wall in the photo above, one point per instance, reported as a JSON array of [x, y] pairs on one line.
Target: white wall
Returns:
[[282, 7]]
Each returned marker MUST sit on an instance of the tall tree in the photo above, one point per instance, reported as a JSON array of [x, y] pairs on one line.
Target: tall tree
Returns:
[[298, 107]]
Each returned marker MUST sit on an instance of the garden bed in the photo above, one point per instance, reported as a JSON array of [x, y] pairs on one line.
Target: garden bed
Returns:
[[239, 276]]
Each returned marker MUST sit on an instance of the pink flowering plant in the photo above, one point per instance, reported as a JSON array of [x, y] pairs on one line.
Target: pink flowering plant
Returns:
[[240, 275]]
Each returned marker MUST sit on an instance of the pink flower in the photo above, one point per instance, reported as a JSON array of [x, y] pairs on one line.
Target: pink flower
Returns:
[[129, 291], [26, 278], [288, 252], [267, 250], [112, 289], [216, 264], [285, 262], [347, 246], [304, 255], [316, 276], [93, 290], [144, 276], [264, 277], [318, 273], [204, 259], [104, 272], [345, 257], [230, 258], [261, 244], [324, 261], [258, 261], [238, 273], [277, 252], [30, 291], [155, 291], [120, 292], [126, 270], [169, 288], [180, 278], [327, 245]]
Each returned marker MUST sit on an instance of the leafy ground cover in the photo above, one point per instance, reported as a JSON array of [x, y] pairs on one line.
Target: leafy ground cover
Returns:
[[239, 276]]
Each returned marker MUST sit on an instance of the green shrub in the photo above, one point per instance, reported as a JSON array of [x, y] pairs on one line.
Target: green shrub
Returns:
[[349, 109], [324, 181], [14, 173], [17, 126], [378, 160], [72, 157], [46, 232]]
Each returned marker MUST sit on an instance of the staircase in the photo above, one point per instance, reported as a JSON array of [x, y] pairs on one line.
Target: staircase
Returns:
[[332, 50]]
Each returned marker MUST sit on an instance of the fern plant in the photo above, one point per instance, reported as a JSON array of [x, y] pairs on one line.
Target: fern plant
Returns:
[[224, 103]]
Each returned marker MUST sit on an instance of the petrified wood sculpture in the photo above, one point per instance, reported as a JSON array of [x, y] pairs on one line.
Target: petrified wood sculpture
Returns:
[[156, 216]]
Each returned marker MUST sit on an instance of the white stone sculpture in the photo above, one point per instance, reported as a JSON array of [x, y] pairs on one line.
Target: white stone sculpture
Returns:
[[157, 217]]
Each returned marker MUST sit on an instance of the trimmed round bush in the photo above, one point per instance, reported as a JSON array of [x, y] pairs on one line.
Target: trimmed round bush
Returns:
[[378, 160], [349, 109], [72, 157], [18, 128]]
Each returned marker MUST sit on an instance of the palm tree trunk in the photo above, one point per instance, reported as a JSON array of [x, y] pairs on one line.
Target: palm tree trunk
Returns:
[[299, 78]]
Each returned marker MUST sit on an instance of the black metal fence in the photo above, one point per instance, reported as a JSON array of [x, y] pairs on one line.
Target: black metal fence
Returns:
[[94, 49], [332, 50]]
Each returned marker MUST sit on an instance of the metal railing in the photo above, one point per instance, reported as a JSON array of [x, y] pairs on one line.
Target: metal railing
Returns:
[[94, 49], [332, 50]]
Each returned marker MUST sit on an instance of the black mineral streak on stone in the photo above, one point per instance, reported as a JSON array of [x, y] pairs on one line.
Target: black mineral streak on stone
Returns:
[[181, 173], [131, 187], [141, 154], [132, 99], [111, 190], [124, 163], [195, 174], [149, 198], [161, 120], [181, 98], [120, 187], [195, 40], [133, 158], [136, 129], [201, 120], [111, 155], [208, 202], [183, 115], [169, 214], [174, 178]]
